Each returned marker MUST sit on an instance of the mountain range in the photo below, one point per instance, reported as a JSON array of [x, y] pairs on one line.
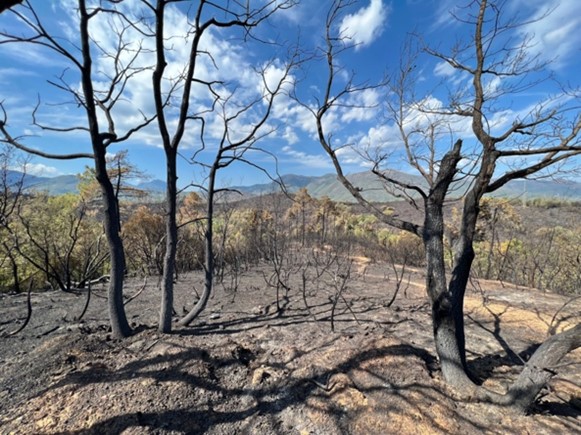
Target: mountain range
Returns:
[[62, 184], [326, 185], [374, 190]]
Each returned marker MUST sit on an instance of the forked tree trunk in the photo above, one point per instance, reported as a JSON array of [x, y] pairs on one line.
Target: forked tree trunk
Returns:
[[447, 306], [448, 323]]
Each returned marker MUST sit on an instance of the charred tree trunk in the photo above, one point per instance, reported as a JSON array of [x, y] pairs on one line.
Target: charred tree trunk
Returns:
[[447, 304], [171, 242], [119, 325], [447, 315], [209, 254]]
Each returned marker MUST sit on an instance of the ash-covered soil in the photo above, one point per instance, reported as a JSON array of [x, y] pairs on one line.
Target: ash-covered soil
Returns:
[[243, 367]]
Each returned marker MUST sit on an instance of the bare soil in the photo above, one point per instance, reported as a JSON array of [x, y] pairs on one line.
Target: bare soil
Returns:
[[244, 368]]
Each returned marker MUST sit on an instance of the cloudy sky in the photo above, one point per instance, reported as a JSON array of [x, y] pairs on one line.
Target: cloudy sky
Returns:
[[376, 30]]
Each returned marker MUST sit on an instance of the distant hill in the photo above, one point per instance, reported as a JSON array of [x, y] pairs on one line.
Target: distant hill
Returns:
[[373, 189], [69, 183], [53, 185], [152, 186], [327, 185], [291, 182], [369, 184], [529, 189]]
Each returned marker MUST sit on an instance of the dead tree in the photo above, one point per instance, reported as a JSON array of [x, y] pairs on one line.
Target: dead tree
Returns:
[[98, 101], [545, 137], [184, 89], [233, 145]]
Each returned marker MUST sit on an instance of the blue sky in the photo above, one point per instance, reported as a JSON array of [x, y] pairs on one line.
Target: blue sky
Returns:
[[378, 27]]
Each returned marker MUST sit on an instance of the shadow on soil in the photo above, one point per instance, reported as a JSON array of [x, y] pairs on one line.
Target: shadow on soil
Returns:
[[266, 401]]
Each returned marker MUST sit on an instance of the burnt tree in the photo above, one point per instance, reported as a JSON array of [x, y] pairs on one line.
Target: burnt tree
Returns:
[[543, 138]]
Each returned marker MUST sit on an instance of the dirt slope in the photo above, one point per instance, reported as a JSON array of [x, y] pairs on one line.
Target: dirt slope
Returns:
[[245, 369]]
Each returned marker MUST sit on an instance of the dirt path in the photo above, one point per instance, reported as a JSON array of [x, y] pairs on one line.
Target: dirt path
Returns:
[[245, 369]]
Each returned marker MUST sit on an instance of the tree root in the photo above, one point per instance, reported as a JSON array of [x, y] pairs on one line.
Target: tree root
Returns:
[[535, 376]]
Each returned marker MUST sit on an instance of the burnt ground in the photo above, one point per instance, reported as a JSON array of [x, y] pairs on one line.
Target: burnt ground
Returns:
[[244, 368]]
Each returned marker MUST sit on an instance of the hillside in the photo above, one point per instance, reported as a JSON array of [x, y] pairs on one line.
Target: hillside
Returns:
[[62, 184], [328, 185], [243, 368], [52, 185], [373, 190]]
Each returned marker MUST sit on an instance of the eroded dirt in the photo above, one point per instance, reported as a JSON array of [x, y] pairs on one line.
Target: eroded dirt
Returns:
[[244, 368]]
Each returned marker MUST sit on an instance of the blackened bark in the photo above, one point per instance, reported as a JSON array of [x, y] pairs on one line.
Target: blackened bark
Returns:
[[7, 4], [209, 252], [447, 318], [541, 368], [119, 325], [447, 314], [464, 247], [171, 241], [28, 310], [170, 146]]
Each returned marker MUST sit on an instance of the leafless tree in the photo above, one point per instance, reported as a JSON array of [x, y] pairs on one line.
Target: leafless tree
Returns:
[[99, 100], [543, 138], [232, 148], [11, 189], [205, 17]]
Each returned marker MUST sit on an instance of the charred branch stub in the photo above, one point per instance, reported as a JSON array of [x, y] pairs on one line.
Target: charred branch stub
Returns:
[[28, 310], [541, 367], [7, 4]]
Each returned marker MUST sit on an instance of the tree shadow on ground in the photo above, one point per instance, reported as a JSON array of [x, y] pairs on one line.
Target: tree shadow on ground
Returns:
[[317, 313], [483, 367], [257, 408]]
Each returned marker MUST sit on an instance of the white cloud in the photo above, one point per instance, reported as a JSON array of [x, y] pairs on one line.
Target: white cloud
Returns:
[[554, 37], [444, 69], [557, 35], [314, 161], [274, 76], [221, 58], [451, 75], [11, 72], [444, 14], [290, 136], [362, 106], [41, 170], [305, 13], [366, 25]]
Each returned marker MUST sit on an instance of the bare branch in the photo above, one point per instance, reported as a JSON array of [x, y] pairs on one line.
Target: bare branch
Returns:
[[7, 138]]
